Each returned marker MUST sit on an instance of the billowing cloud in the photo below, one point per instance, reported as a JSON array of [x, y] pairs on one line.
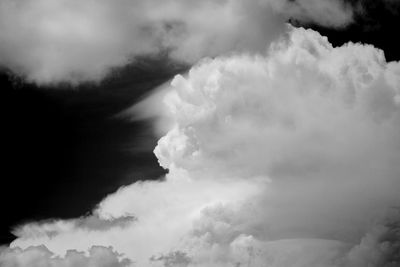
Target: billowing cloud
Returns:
[[288, 158], [165, 213], [53, 41]]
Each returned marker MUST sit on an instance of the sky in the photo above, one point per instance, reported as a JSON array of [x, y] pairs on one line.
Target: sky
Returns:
[[200, 133]]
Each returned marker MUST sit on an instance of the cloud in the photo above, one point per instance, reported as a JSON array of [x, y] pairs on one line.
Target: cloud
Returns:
[[289, 158], [165, 212], [296, 108], [40, 256], [326, 13], [93, 223], [51, 42], [379, 247]]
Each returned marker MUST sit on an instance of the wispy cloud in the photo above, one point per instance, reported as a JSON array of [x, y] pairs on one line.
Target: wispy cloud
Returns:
[[48, 42]]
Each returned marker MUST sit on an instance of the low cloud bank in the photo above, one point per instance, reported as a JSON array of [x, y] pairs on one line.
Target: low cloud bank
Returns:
[[41, 257]]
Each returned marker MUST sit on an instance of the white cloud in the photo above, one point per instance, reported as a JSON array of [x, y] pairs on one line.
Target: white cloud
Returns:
[[52, 227], [288, 158], [53, 41], [165, 212], [41, 257]]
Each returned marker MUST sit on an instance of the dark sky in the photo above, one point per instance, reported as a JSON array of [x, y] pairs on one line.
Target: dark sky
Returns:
[[63, 150]]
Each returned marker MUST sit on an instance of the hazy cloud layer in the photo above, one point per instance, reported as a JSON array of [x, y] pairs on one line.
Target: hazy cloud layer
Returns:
[[73, 41], [289, 158]]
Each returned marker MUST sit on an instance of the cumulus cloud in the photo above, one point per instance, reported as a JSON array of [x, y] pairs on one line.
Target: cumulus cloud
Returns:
[[49, 42], [288, 158]]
